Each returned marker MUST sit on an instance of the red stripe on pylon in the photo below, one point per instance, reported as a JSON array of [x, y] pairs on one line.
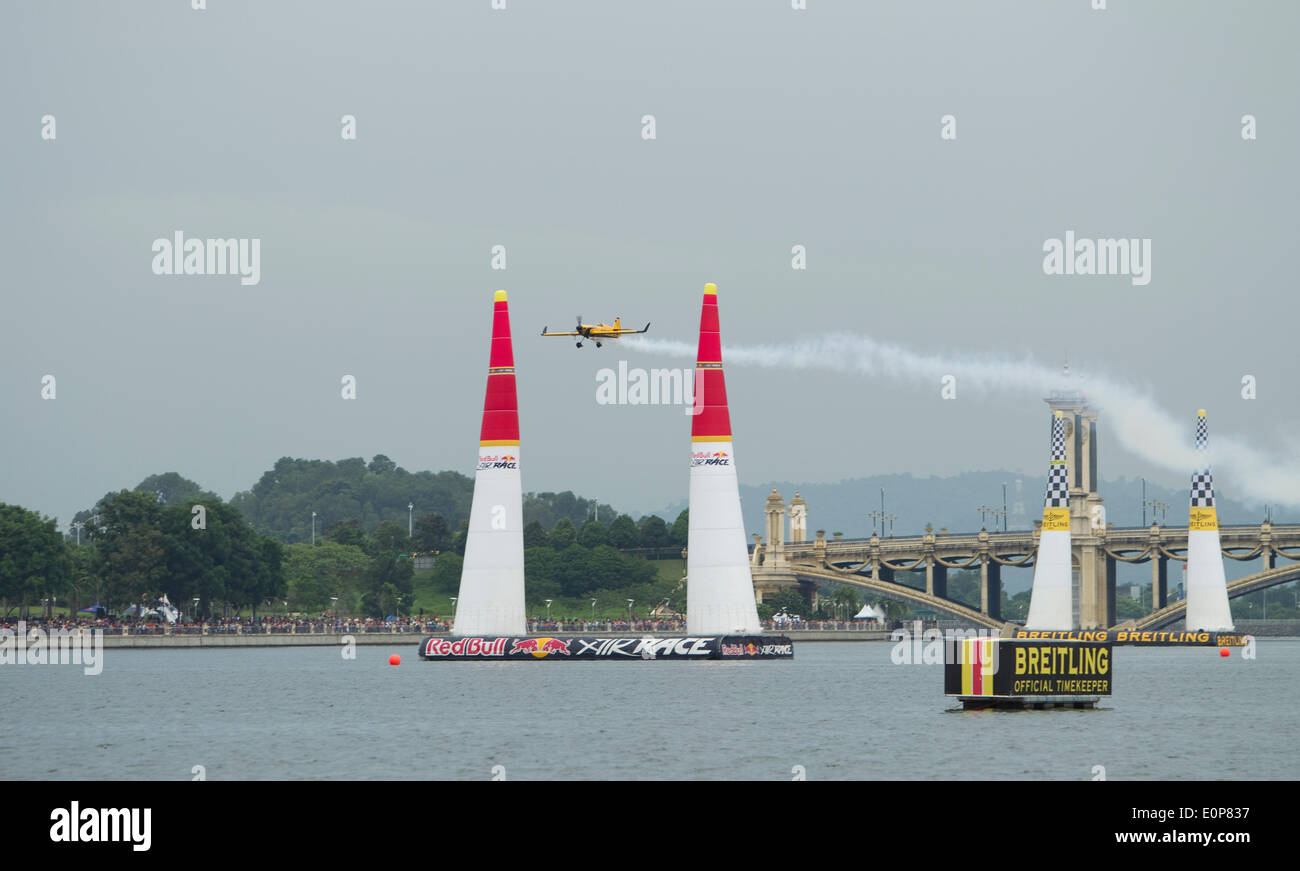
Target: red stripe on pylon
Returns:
[[501, 401], [714, 420]]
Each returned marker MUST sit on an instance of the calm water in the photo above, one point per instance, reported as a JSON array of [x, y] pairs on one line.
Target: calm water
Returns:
[[840, 710]]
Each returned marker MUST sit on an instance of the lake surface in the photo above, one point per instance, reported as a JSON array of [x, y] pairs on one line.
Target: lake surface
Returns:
[[840, 710]]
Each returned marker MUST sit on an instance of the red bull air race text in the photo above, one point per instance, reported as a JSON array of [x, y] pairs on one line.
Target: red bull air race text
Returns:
[[587, 648]]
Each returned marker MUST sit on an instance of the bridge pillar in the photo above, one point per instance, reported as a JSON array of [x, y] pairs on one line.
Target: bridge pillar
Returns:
[[936, 579], [1159, 582], [1266, 545], [883, 572], [1111, 618], [990, 588]]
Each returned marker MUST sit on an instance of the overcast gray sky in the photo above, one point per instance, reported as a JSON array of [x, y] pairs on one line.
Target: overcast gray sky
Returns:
[[523, 127]]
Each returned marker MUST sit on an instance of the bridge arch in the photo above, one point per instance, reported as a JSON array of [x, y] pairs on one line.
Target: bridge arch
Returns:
[[897, 591], [1240, 587]]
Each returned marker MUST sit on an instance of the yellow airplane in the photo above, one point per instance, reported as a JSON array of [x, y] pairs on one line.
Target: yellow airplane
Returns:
[[596, 332]]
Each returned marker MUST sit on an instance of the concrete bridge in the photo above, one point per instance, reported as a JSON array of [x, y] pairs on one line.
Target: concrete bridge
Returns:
[[799, 563]]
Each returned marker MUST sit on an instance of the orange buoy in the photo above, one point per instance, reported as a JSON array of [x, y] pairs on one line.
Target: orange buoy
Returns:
[[1223, 651], [397, 660]]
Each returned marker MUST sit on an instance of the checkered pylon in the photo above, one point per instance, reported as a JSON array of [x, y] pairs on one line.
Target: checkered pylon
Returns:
[[1202, 480], [1058, 476]]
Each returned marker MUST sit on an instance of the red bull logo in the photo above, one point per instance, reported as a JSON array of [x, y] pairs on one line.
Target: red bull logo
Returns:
[[710, 458], [495, 461], [465, 647], [540, 647]]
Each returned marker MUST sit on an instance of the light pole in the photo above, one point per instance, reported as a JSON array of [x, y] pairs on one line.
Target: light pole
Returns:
[[1004, 506], [410, 520], [548, 610], [995, 513], [335, 600], [877, 515], [983, 510], [313, 529], [593, 610], [1144, 502], [453, 607], [891, 518], [77, 526], [629, 612]]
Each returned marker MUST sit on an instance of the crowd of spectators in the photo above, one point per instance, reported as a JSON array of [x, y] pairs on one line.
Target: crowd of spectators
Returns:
[[281, 625]]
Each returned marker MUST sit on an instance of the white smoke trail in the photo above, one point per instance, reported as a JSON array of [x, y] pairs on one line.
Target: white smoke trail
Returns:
[[1137, 421]]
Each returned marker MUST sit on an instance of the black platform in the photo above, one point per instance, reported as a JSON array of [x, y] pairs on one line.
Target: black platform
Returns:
[[625, 648]]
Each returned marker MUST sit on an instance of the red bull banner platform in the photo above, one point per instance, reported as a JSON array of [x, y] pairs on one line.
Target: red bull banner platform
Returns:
[[1024, 673], [1139, 638], [575, 647]]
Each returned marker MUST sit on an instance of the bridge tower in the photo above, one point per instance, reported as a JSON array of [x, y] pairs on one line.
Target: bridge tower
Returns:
[[1094, 582], [771, 570], [774, 553], [798, 519]]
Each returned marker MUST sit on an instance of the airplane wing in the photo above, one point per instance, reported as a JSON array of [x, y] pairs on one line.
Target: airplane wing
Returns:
[[544, 333], [634, 332]]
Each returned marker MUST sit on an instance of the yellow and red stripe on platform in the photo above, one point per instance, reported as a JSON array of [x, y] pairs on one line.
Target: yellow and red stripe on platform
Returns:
[[977, 666]]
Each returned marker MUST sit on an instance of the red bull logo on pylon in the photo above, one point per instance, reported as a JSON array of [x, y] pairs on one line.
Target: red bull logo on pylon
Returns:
[[540, 647]]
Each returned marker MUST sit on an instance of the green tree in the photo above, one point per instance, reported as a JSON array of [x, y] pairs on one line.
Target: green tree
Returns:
[[446, 576], [31, 565], [316, 576], [432, 532], [458, 540], [132, 544], [681, 528], [790, 601], [563, 534], [654, 532], [535, 536], [542, 573], [593, 533], [390, 537], [170, 488], [348, 532], [846, 601], [623, 533]]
